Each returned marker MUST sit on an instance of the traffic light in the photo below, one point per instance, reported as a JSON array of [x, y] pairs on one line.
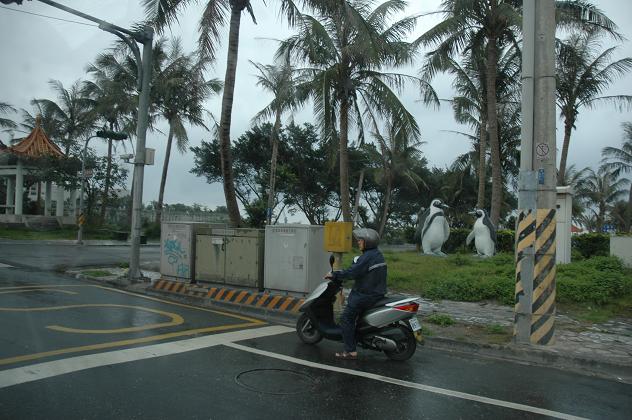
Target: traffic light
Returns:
[[112, 135]]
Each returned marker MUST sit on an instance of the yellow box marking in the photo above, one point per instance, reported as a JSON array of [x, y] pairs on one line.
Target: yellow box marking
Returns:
[[211, 291], [229, 295], [219, 294], [298, 305], [249, 322]]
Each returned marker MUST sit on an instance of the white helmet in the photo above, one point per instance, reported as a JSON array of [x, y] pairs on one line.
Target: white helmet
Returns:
[[371, 237]]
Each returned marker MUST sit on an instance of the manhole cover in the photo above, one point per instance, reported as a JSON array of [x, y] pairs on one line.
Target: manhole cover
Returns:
[[275, 381]]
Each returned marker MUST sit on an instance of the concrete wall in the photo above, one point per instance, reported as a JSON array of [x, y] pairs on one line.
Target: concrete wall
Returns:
[[621, 246]]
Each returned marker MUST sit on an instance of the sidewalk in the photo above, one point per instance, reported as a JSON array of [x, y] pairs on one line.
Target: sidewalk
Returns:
[[482, 328]]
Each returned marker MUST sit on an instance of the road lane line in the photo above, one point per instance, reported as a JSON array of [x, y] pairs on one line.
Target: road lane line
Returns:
[[45, 370], [414, 385], [5, 266]]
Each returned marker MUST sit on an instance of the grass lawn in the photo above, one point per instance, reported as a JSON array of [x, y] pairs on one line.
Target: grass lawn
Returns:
[[593, 290]]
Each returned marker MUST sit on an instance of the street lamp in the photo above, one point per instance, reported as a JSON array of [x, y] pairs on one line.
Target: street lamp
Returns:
[[145, 37], [104, 134]]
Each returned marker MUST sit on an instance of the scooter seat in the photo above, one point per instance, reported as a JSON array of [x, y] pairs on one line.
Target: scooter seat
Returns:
[[388, 299]]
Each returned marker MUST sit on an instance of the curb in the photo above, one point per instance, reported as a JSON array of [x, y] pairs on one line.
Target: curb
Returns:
[[263, 302]]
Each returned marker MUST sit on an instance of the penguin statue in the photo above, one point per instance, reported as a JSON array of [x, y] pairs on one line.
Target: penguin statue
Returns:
[[433, 228], [483, 233]]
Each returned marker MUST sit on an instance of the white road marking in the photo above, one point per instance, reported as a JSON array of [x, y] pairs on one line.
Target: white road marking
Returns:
[[45, 370], [5, 266], [427, 388]]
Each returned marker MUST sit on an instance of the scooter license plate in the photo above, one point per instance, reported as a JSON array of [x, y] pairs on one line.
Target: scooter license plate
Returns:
[[414, 324]]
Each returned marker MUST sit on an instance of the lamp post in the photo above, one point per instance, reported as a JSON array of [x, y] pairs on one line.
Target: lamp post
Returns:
[[104, 134], [145, 37]]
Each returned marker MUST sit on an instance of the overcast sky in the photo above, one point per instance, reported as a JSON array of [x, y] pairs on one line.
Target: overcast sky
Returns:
[[35, 49]]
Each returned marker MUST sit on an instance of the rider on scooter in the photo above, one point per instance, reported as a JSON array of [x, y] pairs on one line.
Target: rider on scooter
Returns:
[[369, 272]]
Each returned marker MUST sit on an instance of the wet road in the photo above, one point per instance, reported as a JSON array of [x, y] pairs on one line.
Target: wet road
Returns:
[[73, 350], [55, 256]]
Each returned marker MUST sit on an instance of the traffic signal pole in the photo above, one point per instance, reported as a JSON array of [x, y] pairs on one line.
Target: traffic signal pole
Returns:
[[534, 311]]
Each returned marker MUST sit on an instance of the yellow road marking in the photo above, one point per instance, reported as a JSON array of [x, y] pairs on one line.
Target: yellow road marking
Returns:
[[111, 344], [68, 292]]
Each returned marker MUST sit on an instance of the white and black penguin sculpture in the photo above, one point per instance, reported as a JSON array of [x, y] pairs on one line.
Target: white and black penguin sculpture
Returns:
[[433, 228], [483, 233]]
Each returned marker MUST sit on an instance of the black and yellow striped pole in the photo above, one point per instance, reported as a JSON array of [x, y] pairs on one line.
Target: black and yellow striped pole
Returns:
[[534, 309]]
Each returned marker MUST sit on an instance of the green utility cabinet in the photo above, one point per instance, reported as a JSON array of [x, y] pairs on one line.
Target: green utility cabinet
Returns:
[[230, 256]]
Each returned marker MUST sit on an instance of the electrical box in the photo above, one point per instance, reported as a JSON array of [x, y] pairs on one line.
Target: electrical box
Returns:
[[338, 236], [295, 257], [150, 155], [563, 216], [177, 250], [230, 256]]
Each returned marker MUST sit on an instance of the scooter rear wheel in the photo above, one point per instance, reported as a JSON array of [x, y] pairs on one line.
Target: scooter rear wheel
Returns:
[[306, 330], [406, 345]]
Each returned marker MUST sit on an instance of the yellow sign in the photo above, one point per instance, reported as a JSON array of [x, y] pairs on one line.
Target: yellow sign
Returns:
[[81, 219], [338, 236]]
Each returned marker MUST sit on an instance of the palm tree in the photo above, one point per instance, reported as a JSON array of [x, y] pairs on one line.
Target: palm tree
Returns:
[[584, 73], [277, 79], [72, 111], [5, 108], [600, 191], [486, 28], [111, 98], [214, 17], [619, 160], [345, 45], [397, 152], [180, 90]]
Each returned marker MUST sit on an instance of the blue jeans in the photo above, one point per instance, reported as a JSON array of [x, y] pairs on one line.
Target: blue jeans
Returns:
[[356, 304]]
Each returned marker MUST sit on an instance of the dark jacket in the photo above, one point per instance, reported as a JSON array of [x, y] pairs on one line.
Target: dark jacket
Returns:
[[369, 272]]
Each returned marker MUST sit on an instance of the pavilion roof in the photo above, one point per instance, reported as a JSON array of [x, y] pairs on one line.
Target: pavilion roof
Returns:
[[36, 144]]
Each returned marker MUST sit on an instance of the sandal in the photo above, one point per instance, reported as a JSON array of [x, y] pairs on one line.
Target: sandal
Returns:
[[346, 356]]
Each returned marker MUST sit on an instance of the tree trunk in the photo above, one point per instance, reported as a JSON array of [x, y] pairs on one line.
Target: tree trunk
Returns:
[[387, 202], [356, 206], [628, 216], [482, 166], [163, 179], [273, 164], [225, 120], [106, 190], [344, 160], [568, 127], [492, 123]]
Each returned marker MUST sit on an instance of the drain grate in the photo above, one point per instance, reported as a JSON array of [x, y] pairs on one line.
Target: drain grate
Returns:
[[275, 381]]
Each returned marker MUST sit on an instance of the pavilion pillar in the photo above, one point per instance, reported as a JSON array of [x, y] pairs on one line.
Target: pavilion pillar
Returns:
[[73, 203], [19, 188], [59, 209], [48, 199], [10, 195]]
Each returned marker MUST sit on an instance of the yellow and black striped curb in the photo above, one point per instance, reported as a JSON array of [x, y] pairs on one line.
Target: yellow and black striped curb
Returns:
[[261, 300], [537, 230]]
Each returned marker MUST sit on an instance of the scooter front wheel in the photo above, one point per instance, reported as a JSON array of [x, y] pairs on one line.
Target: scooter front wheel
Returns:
[[306, 331], [406, 345]]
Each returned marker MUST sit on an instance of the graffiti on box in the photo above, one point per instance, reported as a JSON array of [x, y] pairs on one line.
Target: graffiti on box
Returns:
[[176, 257]]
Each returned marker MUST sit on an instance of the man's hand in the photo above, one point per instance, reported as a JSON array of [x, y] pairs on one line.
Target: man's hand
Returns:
[[329, 275]]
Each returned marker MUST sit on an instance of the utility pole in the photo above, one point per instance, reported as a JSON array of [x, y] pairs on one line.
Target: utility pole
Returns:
[[534, 310], [144, 65]]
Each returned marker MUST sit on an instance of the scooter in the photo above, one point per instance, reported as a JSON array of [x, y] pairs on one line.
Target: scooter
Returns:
[[390, 325]]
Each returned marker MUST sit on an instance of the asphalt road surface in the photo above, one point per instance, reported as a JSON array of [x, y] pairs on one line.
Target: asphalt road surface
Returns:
[[59, 257], [77, 350]]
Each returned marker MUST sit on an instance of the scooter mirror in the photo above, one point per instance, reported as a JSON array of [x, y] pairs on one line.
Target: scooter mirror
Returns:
[[331, 260]]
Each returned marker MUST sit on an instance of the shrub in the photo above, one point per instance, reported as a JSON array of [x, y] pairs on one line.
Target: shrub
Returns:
[[505, 240], [152, 230], [440, 319], [596, 280], [591, 244], [456, 241]]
